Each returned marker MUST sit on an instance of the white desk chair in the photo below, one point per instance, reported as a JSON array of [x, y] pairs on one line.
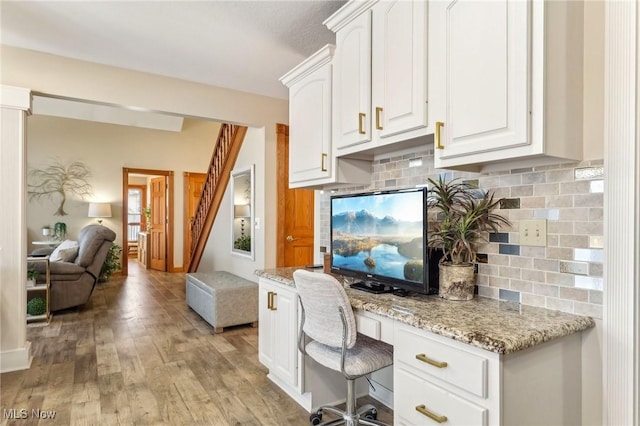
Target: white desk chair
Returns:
[[327, 319]]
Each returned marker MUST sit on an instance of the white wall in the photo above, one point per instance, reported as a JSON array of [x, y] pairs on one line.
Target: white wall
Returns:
[[105, 149], [218, 255]]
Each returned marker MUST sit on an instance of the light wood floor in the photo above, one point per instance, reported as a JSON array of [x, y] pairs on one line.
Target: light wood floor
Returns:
[[136, 354]]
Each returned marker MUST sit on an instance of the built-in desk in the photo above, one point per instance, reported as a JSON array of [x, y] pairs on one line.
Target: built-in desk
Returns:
[[484, 361]]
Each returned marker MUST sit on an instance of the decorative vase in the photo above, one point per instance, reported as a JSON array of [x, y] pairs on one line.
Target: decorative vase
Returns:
[[31, 282], [457, 282]]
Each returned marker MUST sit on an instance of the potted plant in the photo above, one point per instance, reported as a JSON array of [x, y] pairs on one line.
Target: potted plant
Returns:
[[32, 276], [147, 217], [465, 216], [46, 231], [111, 263]]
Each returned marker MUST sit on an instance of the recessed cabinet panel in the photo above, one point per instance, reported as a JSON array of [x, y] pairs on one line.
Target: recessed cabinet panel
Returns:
[[399, 67], [352, 106], [310, 110], [482, 51], [422, 403]]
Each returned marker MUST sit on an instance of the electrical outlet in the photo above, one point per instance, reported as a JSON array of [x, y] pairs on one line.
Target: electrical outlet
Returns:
[[533, 232]]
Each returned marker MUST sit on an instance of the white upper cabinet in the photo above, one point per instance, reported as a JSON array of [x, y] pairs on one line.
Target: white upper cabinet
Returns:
[[380, 75], [506, 83], [311, 160]]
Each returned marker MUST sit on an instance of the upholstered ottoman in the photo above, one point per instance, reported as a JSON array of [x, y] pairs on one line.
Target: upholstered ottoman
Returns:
[[223, 299]]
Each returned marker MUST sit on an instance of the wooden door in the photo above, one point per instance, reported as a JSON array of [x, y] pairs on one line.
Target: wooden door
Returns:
[[158, 234], [296, 209], [193, 184]]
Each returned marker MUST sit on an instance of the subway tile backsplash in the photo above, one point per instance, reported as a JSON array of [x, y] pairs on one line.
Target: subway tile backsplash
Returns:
[[565, 275]]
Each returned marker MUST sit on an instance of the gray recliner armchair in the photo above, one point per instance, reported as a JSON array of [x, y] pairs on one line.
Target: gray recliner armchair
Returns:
[[73, 282]]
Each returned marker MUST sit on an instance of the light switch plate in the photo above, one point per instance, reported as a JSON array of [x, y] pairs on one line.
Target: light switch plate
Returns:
[[533, 232]]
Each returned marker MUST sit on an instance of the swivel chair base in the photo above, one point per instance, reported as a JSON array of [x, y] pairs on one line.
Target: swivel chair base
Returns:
[[365, 415]]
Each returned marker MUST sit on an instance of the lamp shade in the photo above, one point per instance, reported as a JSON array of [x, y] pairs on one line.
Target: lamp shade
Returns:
[[242, 210], [99, 210]]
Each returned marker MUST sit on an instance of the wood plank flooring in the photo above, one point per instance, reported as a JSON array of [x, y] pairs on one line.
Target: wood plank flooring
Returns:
[[136, 354]]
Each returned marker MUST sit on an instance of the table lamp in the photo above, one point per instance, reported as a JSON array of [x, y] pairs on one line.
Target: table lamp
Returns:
[[99, 210]]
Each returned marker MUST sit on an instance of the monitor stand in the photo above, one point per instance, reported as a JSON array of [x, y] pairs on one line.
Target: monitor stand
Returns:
[[371, 287]]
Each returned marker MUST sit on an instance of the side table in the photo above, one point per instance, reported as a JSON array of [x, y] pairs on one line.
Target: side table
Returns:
[[43, 287]]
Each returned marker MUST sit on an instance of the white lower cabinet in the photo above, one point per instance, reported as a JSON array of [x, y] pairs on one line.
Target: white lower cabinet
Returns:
[[426, 403], [441, 381], [308, 383], [278, 316]]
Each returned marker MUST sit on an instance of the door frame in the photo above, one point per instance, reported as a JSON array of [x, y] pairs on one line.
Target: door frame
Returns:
[[168, 174], [186, 226], [282, 178]]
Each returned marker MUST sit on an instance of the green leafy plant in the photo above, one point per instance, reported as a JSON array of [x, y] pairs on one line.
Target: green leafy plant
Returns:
[[147, 217], [243, 243], [111, 263], [466, 214], [36, 306], [32, 274]]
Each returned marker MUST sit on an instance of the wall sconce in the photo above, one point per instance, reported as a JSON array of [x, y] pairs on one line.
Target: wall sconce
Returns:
[[242, 211], [99, 210]]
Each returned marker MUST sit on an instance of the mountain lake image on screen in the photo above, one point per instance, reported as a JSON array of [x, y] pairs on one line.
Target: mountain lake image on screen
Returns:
[[380, 237]]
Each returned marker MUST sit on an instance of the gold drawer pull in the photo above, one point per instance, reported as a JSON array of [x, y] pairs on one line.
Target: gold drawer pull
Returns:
[[269, 300], [433, 416], [323, 165], [361, 117], [439, 126], [424, 358], [273, 306], [378, 112]]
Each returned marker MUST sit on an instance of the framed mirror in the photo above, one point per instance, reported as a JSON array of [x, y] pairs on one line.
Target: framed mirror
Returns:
[[242, 211]]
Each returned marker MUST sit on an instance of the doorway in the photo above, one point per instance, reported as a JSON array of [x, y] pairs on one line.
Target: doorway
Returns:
[[160, 237], [192, 192], [295, 233]]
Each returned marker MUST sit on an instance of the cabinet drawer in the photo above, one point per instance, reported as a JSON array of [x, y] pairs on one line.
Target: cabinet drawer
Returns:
[[368, 326], [414, 394], [462, 369]]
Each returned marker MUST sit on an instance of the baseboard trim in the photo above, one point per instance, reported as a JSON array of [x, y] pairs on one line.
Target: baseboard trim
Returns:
[[17, 359]]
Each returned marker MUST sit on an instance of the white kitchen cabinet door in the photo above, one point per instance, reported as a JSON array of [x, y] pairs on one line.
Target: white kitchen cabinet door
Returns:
[[506, 80], [277, 334], [310, 129], [352, 103], [399, 68], [479, 59]]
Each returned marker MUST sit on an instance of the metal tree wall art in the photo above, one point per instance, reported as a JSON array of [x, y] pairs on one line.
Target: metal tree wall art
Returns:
[[60, 181]]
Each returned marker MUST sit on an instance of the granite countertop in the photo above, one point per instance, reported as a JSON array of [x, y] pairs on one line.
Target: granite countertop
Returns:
[[494, 325]]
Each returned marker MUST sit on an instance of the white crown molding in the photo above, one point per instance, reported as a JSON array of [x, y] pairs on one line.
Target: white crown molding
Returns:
[[309, 65], [348, 13], [15, 98]]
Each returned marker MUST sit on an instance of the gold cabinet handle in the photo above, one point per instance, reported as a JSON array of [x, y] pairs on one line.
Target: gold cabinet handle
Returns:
[[269, 300], [361, 117], [424, 358], [439, 126], [433, 416], [378, 112], [273, 305], [324, 159]]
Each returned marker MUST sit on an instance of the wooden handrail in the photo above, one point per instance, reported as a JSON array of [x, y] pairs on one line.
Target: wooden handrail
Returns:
[[223, 160]]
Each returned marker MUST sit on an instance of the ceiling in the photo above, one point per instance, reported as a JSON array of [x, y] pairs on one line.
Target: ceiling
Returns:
[[240, 45]]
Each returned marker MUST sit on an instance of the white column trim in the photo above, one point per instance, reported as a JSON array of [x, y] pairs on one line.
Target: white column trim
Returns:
[[15, 350], [621, 221]]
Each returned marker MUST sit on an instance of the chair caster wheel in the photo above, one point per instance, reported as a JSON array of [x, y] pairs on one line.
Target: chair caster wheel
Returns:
[[372, 415], [316, 418]]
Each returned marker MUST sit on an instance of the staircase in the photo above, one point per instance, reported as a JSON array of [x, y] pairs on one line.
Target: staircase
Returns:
[[223, 160]]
